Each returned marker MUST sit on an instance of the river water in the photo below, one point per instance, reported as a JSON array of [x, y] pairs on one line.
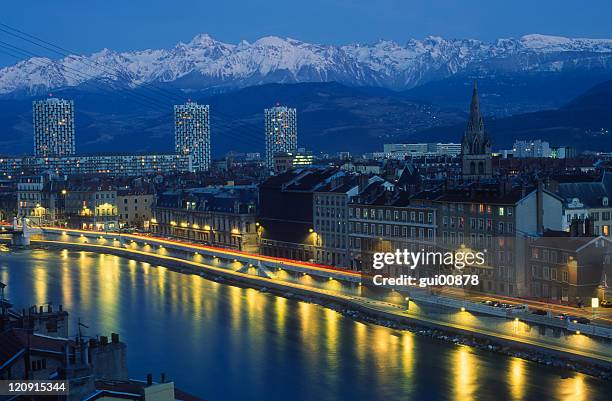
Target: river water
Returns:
[[227, 343]]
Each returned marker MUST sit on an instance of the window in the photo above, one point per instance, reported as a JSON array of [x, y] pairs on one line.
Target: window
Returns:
[[565, 276], [501, 211]]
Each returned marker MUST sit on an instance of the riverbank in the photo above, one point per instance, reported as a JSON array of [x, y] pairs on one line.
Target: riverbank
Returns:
[[357, 309]]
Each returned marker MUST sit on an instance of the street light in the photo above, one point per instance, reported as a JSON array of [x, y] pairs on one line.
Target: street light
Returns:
[[594, 305]]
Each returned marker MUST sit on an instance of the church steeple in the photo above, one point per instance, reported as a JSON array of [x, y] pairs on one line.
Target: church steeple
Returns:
[[475, 121], [476, 145]]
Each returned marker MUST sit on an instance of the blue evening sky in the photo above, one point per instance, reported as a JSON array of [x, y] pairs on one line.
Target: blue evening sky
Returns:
[[87, 26]]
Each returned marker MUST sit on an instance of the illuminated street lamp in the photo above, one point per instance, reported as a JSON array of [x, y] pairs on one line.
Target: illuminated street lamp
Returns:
[[594, 305]]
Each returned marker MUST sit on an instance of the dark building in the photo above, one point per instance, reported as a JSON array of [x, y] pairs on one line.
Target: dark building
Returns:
[[285, 223], [568, 267]]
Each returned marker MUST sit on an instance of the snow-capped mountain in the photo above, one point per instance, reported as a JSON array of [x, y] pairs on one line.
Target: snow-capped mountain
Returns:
[[207, 63]]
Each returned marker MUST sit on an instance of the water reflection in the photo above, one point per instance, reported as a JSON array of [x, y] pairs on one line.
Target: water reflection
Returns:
[[465, 371], [516, 378], [228, 343]]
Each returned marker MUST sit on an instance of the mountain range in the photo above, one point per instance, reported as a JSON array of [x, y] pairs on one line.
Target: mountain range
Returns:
[[349, 98], [205, 63]]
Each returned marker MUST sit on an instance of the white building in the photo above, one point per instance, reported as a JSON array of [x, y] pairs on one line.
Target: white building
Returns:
[[192, 133], [281, 132], [53, 121], [534, 148], [127, 165], [401, 150], [591, 199]]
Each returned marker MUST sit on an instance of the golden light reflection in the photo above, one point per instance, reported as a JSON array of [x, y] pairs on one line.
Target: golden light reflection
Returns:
[[331, 334], [235, 299], [573, 389], [280, 309], [516, 378], [40, 284], [465, 371], [108, 282], [408, 352]]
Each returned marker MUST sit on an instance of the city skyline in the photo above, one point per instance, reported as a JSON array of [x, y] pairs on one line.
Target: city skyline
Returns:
[[383, 201]]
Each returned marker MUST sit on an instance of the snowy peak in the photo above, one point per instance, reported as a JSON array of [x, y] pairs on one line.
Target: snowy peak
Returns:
[[205, 62]]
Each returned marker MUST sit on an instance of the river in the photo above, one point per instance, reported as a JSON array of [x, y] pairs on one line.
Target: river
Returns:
[[227, 343]]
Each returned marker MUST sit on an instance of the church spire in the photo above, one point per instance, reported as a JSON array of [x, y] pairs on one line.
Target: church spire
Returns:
[[475, 121]]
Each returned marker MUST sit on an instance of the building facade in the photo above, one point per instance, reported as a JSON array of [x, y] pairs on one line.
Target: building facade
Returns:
[[53, 121], [382, 219], [497, 221], [112, 165], [91, 207], [192, 133], [280, 125], [30, 199], [568, 268], [588, 200], [331, 222], [135, 208], [217, 216], [533, 148], [403, 150]]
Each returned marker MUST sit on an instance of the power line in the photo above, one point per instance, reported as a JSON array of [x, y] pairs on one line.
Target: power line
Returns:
[[67, 53], [101, 83]]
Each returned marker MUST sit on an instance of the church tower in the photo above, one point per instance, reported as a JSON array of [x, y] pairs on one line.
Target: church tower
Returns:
[[476, 145]]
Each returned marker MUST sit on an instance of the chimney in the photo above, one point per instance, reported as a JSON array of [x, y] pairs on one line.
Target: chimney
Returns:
[[588, 227], [40, 309], [149, 379], [61, 308], [103, 340], [115, 338], [574, 228], [163, 377], [363, 182]]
